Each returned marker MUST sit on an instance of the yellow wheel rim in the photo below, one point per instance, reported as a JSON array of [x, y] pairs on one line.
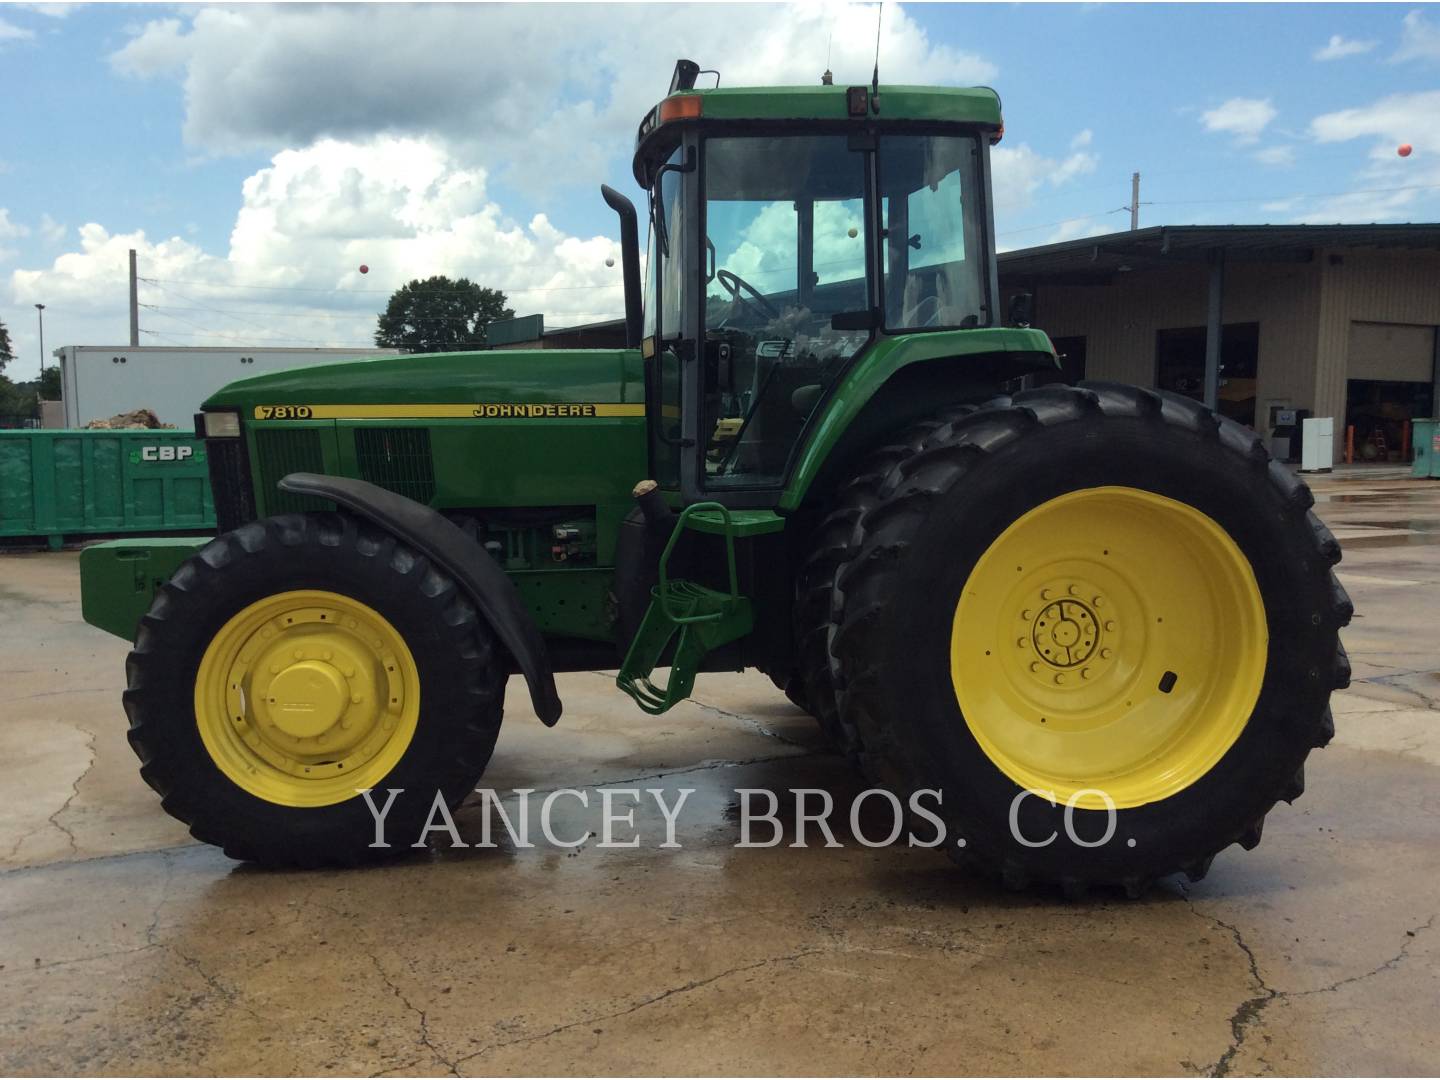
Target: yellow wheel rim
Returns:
[[306, 696], [1110, 640]]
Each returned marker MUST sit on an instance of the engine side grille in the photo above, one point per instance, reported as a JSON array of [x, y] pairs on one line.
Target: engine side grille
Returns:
[[397, 459], [230, 485], [283, 451]]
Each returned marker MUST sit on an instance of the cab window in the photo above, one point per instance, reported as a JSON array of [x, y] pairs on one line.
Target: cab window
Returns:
[[784, 253]]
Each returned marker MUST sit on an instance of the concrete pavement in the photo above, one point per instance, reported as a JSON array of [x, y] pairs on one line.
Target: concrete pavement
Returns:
[[126, 948]]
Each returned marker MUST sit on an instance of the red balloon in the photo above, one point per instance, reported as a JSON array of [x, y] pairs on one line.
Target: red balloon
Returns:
[[1404, 150], [364, 269]]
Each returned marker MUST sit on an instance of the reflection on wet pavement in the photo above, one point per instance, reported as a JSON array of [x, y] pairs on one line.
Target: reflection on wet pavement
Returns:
[[126, 948]]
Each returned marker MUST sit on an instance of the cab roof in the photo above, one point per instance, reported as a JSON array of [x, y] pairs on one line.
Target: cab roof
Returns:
[[978, 105]]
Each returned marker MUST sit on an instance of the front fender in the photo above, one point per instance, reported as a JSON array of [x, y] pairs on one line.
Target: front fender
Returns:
[[445, 544]]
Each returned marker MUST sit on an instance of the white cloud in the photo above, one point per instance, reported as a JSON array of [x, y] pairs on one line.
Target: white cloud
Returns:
[[51, 231], [53, 11], [1082, 139], [1419, 40], [1389, 187], [1076, 228], [263, 77], [1399, 118], [1245, 118], [10, 32], [306, 223], [9, 230], [1019, 171], [1337, 48], [1276, 155]]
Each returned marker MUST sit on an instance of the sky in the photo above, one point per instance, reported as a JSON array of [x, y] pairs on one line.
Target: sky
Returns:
[[257, 155]]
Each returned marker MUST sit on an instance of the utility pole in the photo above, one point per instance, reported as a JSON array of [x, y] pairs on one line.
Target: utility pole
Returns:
[[40, 313], [134, 304], [1134, 218]]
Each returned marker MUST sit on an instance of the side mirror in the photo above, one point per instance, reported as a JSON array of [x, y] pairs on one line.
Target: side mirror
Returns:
[[1022, 309], [866, 319]]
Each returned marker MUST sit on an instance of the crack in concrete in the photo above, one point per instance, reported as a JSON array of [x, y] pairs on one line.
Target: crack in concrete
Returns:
[[58, 693], [74, 960], [752, 723], [1248, 1014], [116, 856], [423, 1017], [704, 766], [74, 791], [694, 984]]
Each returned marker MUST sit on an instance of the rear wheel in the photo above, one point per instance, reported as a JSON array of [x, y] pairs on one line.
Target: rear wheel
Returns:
[[818, 678], [296, 662], [1101, 623]]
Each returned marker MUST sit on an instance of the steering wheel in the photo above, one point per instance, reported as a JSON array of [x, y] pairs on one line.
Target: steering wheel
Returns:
[[733, 284]]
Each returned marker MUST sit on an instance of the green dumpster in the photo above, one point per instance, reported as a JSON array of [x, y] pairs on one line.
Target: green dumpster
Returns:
[[59, 484], [1426, 434]]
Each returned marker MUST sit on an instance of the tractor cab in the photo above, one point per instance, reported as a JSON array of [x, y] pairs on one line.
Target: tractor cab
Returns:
[[790, 229]]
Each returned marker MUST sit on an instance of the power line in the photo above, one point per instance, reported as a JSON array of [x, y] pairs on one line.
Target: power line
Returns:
[[375, 292], [269, 314]]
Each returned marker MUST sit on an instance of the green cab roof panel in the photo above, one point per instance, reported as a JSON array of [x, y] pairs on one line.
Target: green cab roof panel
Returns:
[[972, 105]]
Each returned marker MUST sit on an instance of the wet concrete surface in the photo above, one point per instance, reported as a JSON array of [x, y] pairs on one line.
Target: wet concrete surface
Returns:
[[126, 948]]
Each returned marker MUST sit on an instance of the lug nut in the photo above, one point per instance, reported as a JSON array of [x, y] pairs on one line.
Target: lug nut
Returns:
[[1110, 624], [1099, 601], [1034, 665], [1073, 590], [1045, 594], [1020, 643], [1084, 673], [1059, 678], [1105, 654], [1026, 614]]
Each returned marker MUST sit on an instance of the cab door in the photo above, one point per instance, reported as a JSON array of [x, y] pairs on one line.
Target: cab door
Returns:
[[669, 341]]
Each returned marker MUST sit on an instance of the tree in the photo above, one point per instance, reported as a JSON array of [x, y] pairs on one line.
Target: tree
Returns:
[[49, 384], [438, 315], [7, 351], [17, 403]]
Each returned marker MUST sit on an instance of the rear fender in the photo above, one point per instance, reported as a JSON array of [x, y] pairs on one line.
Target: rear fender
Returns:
[[898, 381], [446, 545]]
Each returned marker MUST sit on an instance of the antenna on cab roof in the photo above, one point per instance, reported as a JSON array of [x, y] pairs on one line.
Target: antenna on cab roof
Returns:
[[875, 78]]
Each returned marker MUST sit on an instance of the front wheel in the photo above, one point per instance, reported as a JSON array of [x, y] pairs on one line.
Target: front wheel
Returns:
[[297, 662], [1102, 623]]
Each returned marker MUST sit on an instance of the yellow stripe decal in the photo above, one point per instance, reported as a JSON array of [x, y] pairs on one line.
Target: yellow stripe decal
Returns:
[[450, 411]]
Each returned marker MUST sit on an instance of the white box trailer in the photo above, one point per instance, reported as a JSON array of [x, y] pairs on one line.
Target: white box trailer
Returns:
[[102, 380]]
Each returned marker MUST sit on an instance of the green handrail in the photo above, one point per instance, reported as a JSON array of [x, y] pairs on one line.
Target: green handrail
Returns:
[[663, 593]]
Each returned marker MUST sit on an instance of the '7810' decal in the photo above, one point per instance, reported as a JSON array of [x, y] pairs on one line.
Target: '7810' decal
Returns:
[[548, 410]]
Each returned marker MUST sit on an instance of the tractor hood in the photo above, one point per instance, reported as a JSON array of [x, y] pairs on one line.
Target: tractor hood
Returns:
[[403, 386]]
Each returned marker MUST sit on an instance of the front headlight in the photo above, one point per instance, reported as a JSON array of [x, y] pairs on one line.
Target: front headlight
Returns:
[[217, 425]]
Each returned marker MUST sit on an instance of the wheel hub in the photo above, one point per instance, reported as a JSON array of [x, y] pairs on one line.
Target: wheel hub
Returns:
[[1065, 632], [307, 699], [306, 696], [1109, 638]]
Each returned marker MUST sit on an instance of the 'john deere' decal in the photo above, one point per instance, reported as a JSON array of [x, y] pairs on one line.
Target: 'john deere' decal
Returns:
[[451, 411]]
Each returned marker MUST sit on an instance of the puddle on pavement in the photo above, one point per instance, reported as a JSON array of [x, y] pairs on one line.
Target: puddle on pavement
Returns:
[[1414, 539]]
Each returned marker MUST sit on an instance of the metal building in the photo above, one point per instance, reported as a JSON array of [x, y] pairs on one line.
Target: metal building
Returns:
[[1334, 320], [102, 380]]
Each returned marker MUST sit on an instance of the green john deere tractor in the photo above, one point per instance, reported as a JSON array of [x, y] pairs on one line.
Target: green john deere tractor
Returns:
[[1092, 606]]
